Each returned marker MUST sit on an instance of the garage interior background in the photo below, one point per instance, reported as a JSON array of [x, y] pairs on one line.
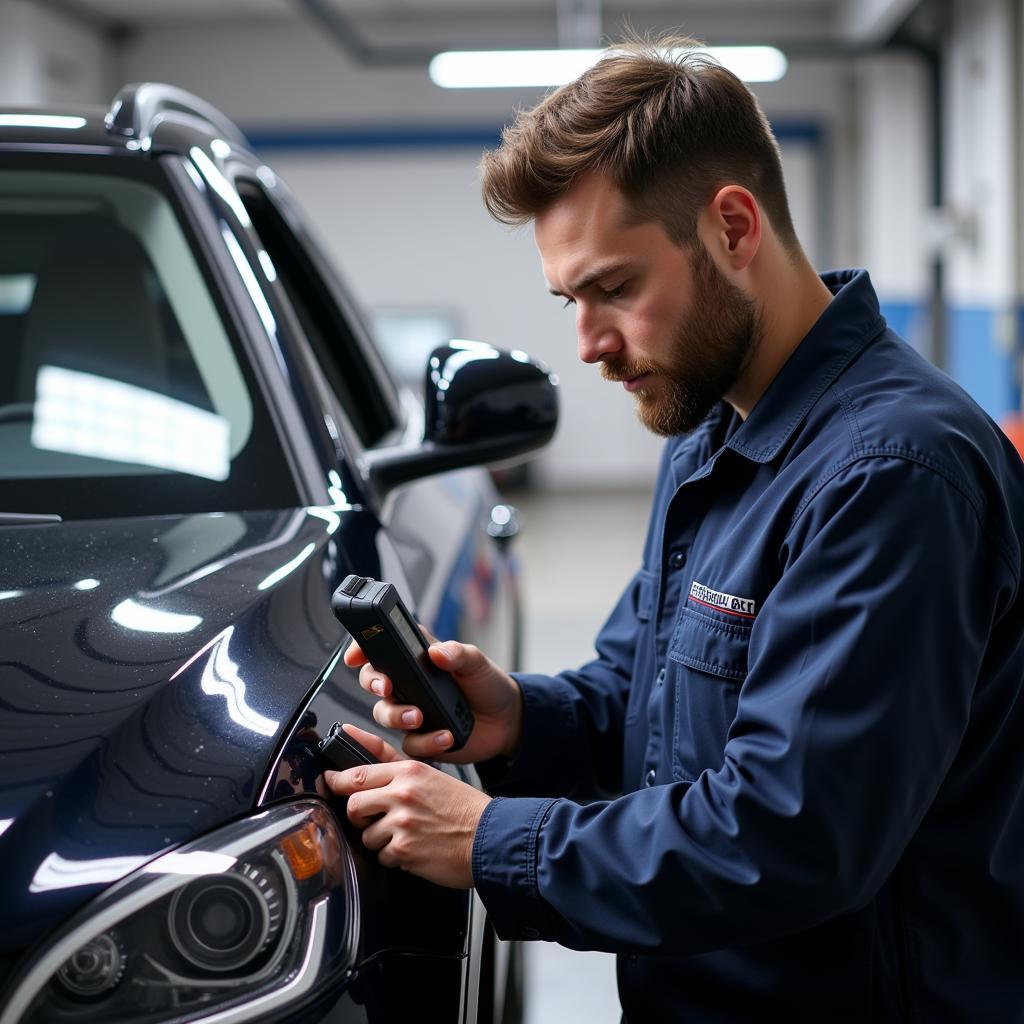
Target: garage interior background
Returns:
[[899, 124], [901, 133]]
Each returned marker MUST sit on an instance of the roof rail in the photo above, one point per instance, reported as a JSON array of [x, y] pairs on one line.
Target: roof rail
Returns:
[[138, 108]]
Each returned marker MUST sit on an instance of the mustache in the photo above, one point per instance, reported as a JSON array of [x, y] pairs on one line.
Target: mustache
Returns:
[[618, 370]]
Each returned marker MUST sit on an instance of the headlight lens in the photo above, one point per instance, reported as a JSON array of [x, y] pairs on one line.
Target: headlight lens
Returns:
[[247, 921]]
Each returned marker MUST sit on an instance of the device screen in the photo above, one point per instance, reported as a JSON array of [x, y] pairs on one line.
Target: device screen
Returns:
[[404, 627]]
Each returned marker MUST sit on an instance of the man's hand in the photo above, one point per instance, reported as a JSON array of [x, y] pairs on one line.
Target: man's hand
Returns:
[[416, 817], [491, 693]]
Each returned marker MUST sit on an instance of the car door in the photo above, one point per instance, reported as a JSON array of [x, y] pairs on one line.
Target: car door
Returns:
[[438, 552]]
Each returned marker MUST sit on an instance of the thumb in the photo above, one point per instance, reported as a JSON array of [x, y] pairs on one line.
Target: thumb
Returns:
[[453, 656]]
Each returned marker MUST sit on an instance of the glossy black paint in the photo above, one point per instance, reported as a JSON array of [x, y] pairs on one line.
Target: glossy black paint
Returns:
[[120, 741], [161, 676], [483, 405], [476, 394]]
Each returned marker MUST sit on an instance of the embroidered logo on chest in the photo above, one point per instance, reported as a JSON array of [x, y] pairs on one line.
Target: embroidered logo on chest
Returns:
[[742, 607]]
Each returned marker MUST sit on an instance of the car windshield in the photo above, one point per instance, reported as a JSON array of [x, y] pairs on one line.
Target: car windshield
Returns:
[[121, 392]]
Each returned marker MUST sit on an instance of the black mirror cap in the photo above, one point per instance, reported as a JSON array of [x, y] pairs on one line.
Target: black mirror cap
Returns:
[[483, 405], [477, 393]]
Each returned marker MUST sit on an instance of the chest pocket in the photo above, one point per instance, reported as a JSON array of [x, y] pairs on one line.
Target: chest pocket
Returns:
[[707, 663]]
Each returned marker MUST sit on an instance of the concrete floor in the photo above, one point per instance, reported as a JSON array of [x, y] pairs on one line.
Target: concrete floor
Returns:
[[578, 551]]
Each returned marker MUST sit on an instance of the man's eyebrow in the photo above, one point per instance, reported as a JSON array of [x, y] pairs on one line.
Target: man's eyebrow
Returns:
[[594, 275]]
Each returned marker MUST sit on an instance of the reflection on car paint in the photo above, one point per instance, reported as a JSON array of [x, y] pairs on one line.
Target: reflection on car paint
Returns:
[[57, 872], [221, 679]]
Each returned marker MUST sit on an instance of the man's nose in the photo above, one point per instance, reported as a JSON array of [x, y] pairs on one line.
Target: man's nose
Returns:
[[596, 337]]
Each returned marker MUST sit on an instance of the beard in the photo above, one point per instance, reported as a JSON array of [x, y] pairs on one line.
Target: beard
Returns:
[[711, 348]]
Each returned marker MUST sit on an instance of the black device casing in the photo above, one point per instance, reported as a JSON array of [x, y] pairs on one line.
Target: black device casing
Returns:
[[365, 608], [341, 751]]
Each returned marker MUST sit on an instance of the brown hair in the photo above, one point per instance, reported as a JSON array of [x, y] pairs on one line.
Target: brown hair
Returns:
[[668, 125]]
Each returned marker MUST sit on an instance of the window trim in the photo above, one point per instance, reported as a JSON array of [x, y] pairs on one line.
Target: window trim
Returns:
[[370, 369]]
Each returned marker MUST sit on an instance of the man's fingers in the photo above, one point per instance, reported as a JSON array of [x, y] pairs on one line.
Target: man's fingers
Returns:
[[397, 716], [427, 745], [374, 681], [377, 835], [445, 655], [455, 657], [362, 777], [376, 745], [365, 808], [353, 656]]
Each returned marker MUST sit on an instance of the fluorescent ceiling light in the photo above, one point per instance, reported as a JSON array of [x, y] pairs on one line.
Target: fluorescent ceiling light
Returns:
[[503, 69]]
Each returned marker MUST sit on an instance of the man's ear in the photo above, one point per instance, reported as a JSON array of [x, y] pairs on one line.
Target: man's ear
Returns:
[[730, 226]]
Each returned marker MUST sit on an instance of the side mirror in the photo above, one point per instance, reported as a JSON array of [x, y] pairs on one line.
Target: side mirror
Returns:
[[483, 405]]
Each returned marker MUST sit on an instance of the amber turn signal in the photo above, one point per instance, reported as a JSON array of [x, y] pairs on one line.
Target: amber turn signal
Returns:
[[303, 852]]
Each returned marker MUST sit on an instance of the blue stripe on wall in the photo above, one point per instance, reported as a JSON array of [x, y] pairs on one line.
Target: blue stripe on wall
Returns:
[[975, 359], [432, 136], [1016, 398], [910, 320], [373, 138], [978, 363]]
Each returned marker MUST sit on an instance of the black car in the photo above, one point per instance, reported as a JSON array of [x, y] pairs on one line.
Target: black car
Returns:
[[198, 442]]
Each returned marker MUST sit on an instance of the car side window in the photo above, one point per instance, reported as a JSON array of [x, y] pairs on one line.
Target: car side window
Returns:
[[124, 391], [338, 352]]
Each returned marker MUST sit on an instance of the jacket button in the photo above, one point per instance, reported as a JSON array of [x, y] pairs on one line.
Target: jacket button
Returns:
[[529, 933], [649, 778], [677, 560]]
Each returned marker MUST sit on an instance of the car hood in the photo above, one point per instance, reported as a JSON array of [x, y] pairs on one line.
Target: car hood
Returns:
[[148, 672]]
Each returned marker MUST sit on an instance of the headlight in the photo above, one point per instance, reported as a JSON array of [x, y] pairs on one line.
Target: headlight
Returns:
[[247, 921]]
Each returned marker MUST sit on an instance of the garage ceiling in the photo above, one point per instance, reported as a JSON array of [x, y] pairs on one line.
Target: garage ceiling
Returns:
[[149, 11], [451, 24]]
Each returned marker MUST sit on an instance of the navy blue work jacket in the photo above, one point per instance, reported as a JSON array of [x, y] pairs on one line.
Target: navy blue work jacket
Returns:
[[809, 699]]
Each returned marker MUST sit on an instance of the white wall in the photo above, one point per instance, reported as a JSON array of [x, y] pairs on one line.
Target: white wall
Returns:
[[412, 231], [983, 200], [894, 195], [47, 58], [981, 136]]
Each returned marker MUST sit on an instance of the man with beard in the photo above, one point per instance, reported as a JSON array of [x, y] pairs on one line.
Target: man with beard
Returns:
[[789, 782]]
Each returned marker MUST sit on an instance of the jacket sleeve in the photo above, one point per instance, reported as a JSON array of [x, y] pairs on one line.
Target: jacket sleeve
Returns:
[[862, 664]]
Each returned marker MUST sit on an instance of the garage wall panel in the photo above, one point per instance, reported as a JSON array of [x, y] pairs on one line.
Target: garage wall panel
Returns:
[[48, 58]]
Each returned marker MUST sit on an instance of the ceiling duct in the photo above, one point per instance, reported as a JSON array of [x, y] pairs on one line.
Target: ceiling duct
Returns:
[[579, 27], [341, 28]]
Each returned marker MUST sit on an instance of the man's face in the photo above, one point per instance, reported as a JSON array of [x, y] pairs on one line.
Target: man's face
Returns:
[[658, 317]]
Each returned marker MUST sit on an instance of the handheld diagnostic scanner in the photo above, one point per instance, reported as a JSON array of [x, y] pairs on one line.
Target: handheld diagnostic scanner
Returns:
[[379, 622]]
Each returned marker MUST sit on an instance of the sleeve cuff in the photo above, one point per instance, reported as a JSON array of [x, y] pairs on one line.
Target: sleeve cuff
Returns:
[[504, 865], [548, 722]]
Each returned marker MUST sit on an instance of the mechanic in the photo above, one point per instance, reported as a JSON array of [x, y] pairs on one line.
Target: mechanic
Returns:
[[792, 779]]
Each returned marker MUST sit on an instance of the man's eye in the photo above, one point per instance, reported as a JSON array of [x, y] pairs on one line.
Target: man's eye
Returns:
[[614, 293], [568, 303]]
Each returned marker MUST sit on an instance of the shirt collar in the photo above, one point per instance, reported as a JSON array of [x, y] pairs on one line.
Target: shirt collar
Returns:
[[849, 322]]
